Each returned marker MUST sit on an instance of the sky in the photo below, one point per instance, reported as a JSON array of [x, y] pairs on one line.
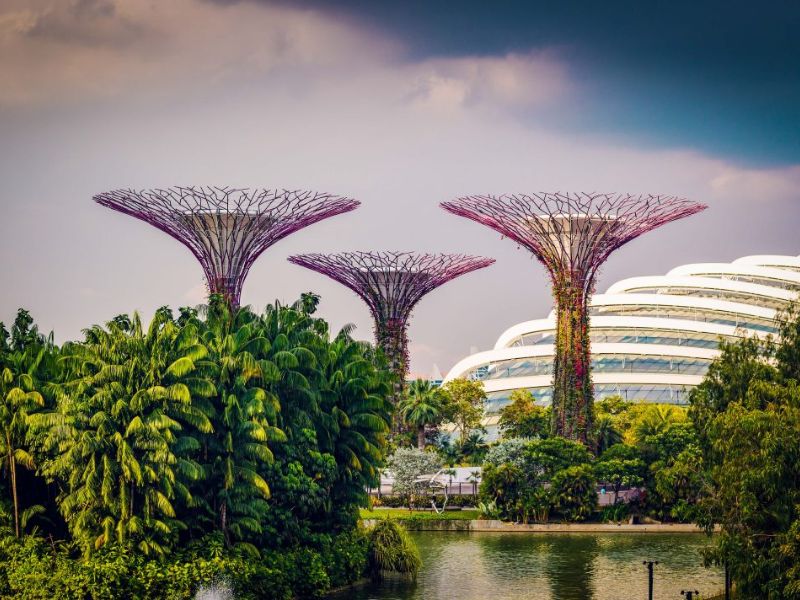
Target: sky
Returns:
[[402, 106]]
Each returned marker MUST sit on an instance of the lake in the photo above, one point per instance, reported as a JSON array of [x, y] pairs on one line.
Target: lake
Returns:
[[516, 566]]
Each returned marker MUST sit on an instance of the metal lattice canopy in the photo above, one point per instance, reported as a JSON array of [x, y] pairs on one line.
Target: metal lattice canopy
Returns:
[[391, 283], [572, 234], [226, 228]]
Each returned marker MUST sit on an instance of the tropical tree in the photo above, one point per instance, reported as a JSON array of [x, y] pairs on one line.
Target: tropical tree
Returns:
[[19, 398], [747, 415], [654, 419], [464, 404], [544, 458], [620, 466], [606, 433], [573, 492], [407, 466], [26, 361], [125, 430], [243, 410], [355, 397], [522, 418], [422, 407]]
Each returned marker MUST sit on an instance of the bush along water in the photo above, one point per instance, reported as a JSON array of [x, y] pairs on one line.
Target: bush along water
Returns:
[[391, 550], [220, 447]]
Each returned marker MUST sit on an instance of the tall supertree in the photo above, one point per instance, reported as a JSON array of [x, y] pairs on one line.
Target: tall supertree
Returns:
[[391, 283], [226, 229], [572, 234]]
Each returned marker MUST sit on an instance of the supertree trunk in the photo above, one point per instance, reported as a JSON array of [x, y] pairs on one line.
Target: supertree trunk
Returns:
[[573, 392], [392, 339], [572, 234], [391, 284]]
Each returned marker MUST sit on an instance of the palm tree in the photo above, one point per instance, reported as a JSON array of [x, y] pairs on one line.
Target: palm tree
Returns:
[[355, 400], [243, 411], [18, 399], [125, 431], [605, 433], [422, 406], [655, 419]]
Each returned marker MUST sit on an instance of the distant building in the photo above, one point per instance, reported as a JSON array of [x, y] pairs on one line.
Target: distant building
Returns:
[[653, 338]]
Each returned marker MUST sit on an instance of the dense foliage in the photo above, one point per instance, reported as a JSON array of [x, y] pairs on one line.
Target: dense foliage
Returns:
[[523, 418], [650, 449], [221, 444], [747, 413]]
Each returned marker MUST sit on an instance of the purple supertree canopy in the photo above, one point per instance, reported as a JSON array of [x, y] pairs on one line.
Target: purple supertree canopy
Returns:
[[391, 283], [572, 234], [226, 228]]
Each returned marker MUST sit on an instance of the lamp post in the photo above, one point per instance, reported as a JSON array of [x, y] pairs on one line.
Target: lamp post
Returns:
[[650, 564], [727, 582]]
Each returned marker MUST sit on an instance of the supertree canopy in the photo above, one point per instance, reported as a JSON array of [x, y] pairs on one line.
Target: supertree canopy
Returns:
[[391, 283], [226, 228], [572, 234]]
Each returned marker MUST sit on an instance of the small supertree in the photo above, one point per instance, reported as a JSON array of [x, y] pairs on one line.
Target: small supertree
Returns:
[[572, 234], [391, 283], [226, 228]]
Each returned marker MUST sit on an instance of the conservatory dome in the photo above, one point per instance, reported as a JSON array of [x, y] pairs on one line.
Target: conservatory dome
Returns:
[[653, 337]]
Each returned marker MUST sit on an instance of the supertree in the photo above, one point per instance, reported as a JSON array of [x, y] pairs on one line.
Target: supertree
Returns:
[[225, 228], [391, 283], [572, 234]]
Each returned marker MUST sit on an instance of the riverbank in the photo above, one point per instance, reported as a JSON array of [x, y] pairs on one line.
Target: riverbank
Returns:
[[429, 523]]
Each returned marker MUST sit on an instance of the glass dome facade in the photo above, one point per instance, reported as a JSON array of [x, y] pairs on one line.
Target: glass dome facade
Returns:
[[653, 337]]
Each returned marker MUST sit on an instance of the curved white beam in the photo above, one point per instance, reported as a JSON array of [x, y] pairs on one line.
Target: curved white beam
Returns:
[[599, 323], [771, 260], [489, 357], [623, 379], [738, 270], [759, 293], [666, 300]]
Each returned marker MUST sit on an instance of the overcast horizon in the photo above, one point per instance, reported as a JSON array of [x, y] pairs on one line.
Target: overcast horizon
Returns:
[[400, 108]]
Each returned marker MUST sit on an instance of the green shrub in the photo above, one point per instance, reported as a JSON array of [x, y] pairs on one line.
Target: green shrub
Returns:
[[573, 493], [32, 569], [392, 550]]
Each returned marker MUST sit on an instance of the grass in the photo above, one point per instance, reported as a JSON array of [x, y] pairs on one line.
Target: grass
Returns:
[[403, 514]]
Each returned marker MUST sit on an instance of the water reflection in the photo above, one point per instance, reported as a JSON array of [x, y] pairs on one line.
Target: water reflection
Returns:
[[571, 567], [496, 566]]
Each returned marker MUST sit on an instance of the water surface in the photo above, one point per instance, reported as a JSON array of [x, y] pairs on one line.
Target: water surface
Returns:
[[517, 566]]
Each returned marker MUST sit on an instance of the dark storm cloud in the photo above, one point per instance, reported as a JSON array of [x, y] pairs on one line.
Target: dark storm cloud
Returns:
[[721, 76]]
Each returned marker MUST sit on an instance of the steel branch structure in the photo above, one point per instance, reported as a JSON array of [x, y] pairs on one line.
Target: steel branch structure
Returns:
[[391, 283], [572, 234], [225, 228]]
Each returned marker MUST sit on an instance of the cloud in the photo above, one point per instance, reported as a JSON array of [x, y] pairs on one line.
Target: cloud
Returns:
[[88, 49], [759, 184], [515, 80]]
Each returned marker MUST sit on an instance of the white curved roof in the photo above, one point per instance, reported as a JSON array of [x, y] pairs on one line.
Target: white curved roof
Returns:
[[734, 270], [737, 291], [663, 316], [602, 322], [770, 260]]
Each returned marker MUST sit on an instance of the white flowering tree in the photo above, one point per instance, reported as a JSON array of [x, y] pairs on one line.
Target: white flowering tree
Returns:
[[408, 465]]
